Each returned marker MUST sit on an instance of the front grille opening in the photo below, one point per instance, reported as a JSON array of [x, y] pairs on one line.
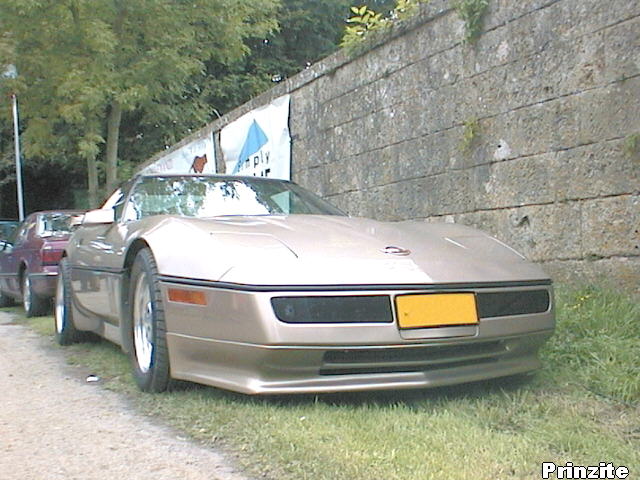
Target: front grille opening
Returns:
[[333, 309], [502, 304], [401, 369], [413, 359]]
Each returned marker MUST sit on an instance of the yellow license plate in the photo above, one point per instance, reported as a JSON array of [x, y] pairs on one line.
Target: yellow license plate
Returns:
[[436, 310]]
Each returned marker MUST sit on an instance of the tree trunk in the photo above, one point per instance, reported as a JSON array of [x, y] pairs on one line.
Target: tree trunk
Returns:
[[113, 136], [92, 174]]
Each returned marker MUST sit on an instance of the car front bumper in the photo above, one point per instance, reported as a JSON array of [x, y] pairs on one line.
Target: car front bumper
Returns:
[[260, 369], [236, 342]]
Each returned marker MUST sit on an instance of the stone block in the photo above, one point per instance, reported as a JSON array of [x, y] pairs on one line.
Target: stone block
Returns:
[[566, 67], [425, 156], [539, 232], [345, 175], [504, 12], [313, 149], [351, 203], [439, 69], [304, 109], [380, 203], [438, 35], [450, 193], [515, 134], [523, 35], [375, 168], [315, 179], [609, 112], [622, 50], [511, 183], [597, 170], [586, 16], [618, 273], [611, 226], [569, 121]]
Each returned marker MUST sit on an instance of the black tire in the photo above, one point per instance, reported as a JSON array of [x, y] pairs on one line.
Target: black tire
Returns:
[[66, 332], [149, 353], [5, 300], [33, 304]]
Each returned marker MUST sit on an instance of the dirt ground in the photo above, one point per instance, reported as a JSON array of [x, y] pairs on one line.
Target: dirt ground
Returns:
[[55, 425]]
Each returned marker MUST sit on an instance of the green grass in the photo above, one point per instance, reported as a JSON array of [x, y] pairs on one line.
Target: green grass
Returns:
[[597, 343], [583, 407]]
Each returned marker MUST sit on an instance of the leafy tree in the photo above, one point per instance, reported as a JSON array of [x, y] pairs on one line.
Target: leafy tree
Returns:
[[85, 65], [308, 30], [364, 20]]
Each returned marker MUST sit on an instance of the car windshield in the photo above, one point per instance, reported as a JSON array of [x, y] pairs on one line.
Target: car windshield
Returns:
[[201, 197], [57, 224]]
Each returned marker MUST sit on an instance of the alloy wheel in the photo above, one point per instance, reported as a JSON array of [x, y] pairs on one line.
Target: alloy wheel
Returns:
[[143, 324]]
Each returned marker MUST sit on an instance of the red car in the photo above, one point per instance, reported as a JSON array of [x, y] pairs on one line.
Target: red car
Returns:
[[29, 260]]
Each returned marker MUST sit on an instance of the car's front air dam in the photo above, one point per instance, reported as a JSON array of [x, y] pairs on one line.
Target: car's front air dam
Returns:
[[261, 369]]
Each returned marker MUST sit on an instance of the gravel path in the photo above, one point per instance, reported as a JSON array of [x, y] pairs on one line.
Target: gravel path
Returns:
[[54, 425]]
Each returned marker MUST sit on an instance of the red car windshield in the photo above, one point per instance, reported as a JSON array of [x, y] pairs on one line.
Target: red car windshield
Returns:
[[54, 224]]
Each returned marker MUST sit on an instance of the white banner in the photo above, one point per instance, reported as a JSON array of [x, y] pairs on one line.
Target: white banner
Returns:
[[258, 143], [196, 157]]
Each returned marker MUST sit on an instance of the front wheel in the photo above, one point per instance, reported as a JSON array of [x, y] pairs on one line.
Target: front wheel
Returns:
[[34, 305], [66, 332], [149, 353]]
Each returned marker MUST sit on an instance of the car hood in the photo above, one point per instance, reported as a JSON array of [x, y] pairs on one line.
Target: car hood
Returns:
[[333, 250]]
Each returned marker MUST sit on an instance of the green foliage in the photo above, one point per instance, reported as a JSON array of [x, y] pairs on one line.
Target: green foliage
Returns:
[[77, 59], [308, 31], [469, 134], [364, 21], [472, 11], [597, 342]]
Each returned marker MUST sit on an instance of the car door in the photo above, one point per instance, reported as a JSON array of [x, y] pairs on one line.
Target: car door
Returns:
[[15, 255], [8, 266], [97, 262]]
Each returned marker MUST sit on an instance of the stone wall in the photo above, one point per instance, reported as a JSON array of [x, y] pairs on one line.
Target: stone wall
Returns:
[[531, 133]]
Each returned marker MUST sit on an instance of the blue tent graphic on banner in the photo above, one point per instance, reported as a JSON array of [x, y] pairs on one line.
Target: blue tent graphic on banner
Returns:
[[256, 139]]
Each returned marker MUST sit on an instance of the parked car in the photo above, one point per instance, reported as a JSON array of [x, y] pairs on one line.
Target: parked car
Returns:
[[29, 260], [7, 227], [257, 285]]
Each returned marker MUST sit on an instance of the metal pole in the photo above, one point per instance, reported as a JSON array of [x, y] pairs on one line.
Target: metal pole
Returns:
[[16, 136]]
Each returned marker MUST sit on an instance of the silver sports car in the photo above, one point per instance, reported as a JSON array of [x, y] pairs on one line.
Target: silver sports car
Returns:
[[258, 286]]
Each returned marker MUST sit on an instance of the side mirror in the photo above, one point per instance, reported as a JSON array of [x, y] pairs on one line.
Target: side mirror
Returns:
[[99, 217], [5, 246]]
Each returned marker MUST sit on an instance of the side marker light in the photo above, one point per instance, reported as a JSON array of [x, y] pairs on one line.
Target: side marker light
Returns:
[[192, 297]]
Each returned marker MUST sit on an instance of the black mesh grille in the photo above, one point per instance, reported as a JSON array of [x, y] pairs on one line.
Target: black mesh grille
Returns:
[[333, 309], [500, 304]]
